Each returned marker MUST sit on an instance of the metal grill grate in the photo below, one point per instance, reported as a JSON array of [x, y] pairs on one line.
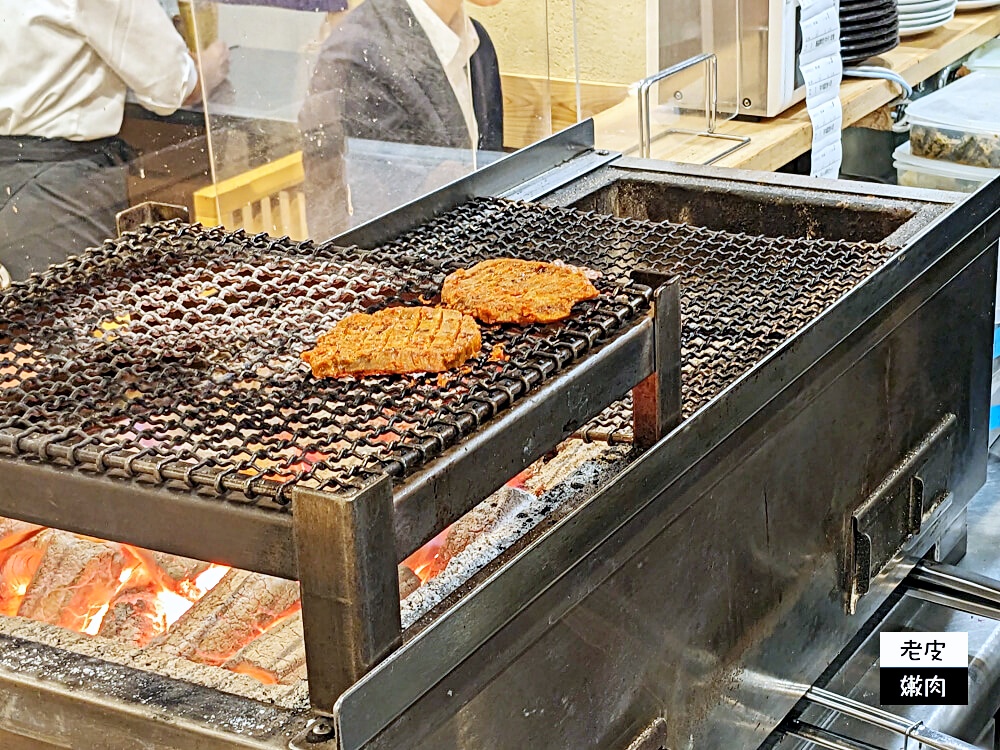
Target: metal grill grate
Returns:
[[173, 355], [741, 295]]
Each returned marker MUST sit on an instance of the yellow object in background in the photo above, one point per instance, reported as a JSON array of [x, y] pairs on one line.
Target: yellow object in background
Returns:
[[199, 23]]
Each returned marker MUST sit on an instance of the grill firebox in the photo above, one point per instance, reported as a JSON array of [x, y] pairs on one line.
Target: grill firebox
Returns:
[[162, 372]]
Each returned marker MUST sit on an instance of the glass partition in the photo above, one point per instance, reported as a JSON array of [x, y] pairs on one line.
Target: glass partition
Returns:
[[316, 115], [679, 56], [333, 113], [518, 31]]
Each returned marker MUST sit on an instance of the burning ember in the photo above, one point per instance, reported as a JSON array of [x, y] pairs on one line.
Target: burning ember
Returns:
[[211, 614], [144, 598], [427, 561], [431, 559]]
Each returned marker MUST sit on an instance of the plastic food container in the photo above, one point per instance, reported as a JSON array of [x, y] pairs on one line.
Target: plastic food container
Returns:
[[986, 57], [915, 171], [959, 123]]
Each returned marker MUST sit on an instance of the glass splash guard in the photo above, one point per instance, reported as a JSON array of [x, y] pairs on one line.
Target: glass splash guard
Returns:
[[676, 66], [334, 112]]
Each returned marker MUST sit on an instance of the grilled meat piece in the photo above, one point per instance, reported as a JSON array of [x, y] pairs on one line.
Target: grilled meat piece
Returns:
[[506, 290], [395, 340]]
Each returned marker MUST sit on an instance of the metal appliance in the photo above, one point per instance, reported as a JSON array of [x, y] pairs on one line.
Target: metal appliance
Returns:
[[757, 44], [769, 79], [805, 427]]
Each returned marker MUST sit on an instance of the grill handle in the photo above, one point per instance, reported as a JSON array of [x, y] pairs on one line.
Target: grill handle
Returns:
[[882, 525]]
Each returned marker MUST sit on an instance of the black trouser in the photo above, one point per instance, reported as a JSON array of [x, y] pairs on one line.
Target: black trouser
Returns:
[[57, 198]]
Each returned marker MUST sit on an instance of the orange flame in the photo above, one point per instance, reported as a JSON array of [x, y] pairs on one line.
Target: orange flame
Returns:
[[258, 673], [16, 573], [140, 581], [127, 584], [519, 479], [422, 562]]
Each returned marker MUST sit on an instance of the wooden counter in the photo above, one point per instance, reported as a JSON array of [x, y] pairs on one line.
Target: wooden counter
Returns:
[[779, 140]]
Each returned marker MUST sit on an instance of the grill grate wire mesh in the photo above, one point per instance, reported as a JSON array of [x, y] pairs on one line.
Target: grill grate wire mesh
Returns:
[[742, 295], [172, 354]]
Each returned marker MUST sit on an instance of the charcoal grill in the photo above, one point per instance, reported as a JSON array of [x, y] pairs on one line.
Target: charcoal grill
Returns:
[[777, 432], [172, 357]]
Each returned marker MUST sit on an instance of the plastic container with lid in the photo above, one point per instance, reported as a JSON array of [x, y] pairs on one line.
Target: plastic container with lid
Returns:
[[959, 123], [986, 57], [915, 171]]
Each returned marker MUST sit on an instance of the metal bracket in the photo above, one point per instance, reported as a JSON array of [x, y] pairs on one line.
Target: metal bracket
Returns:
[[350, 591], [149, 212], [891, 515], [645, 116], [656, 401]]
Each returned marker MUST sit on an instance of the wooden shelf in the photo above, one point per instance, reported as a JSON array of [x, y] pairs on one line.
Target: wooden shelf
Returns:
[[776, 141]]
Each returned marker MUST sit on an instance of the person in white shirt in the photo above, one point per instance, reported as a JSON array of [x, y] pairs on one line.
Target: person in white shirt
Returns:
[[402, 71], [67, 65]]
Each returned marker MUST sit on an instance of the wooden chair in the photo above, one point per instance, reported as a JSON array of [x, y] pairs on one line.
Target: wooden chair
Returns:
[[268, 198]]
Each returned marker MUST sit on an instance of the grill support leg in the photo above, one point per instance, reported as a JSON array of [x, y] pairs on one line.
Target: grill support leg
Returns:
[[656, 401], [350, 589]]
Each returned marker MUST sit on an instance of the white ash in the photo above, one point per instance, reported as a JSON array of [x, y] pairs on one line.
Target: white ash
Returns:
[[293, 697], [572, 454], [525, 511]]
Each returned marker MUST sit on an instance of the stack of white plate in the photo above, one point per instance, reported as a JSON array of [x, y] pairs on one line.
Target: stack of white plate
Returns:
[[977, 5], [921, 16]]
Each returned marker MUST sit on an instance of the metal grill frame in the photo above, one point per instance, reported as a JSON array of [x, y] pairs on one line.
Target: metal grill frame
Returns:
[[344, 546], [452, 638], [407, 694]]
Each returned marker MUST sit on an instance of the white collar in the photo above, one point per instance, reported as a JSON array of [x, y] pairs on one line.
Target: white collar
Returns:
[[449, 46]]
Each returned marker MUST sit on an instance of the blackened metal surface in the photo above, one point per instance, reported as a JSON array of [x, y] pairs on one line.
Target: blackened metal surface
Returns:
[[173, 355], [756, 203]]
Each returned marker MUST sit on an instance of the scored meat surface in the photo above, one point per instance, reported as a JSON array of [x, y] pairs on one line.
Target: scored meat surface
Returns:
[[394, 341], [506, 290]]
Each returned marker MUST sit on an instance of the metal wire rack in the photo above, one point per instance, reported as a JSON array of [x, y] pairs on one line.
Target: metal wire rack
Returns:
[[741, 295], [173, 355]]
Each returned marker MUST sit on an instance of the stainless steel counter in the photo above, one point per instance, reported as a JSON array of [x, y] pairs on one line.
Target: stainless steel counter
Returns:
[[859, 677]]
